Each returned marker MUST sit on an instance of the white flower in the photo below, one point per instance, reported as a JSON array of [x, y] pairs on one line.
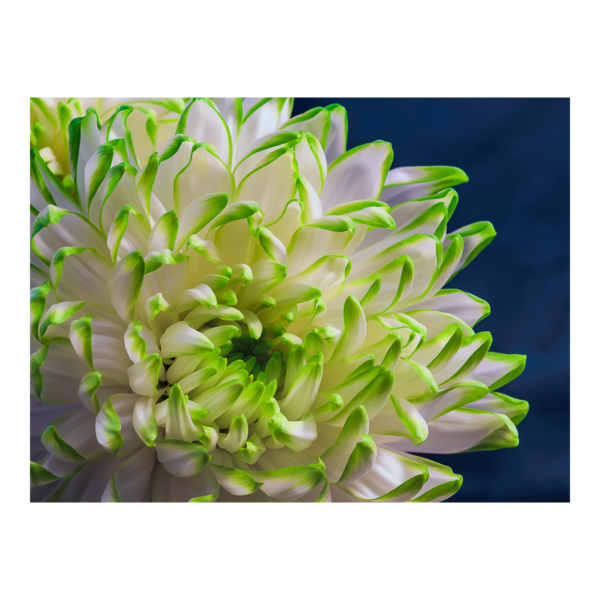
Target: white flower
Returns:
[[254, 313]]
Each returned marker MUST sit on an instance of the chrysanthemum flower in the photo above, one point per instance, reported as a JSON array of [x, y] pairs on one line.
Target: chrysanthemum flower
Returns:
[[251, 313]]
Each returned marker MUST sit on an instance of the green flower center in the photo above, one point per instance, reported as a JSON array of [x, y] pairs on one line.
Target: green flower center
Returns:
[[264, 357]]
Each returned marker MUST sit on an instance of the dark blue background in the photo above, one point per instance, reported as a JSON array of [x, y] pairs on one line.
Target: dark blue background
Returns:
[[516, 154]]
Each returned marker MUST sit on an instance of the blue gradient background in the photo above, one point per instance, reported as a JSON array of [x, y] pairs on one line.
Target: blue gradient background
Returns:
[[516, 153]]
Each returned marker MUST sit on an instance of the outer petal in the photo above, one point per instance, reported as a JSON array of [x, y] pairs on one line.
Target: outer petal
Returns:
[[496, 370], [407, 183], [466, 430], [393, 478], [131, 479], [515, 410], [56, 371], [357, 175], [55, 228], [470, 309], [338, 133], [71, 437], [442, 482], [168, 488]]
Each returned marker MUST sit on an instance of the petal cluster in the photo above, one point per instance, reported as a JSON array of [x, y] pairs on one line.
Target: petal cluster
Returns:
[[252, 312]]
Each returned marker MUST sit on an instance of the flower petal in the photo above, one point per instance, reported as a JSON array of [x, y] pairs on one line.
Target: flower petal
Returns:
[[407, 183], [182, 459], [358, 174], [131, 479], [393, 478], [202, 121]]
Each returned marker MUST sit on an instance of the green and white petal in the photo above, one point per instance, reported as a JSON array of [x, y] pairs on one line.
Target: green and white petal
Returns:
[[290, 483], [407, 183], [99, 343], [143, 375], [37, 303], [182, 340], [114, 425], [496, 370], [132, 478], [158, 177], [49, 469], [88, 388], [164, 233], [198, 214], [248, 403], [205, 174], [373, 397], [46, 185], [435, 322], [296, 435], [465, 430], [515, 410], [472, 351], [468, 308], [235, 481], [361, 461], [181, 458], [267, 274], [124, 284], [179, 425], [202, 121], [338, 133], [358, 174], [219, 399], [81, 274], [312, 163], [253, 451], [460, 394], [56, 372], [355, 330], [261, 148], [144, 420], [442, 482], [261, 117], [316, 122], [237, 435], [129, 232], [139, 341], [95, 173], [272, 182], [231, 109], [354, 427], [393, 478], [55, 228], [311, 203], [272, 246], [418, 213], [303, 390], [72, 436], [475, 238], [197, 379], [409, 423], [413, 380], [202, 314], [322, 237], [438, 351]]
